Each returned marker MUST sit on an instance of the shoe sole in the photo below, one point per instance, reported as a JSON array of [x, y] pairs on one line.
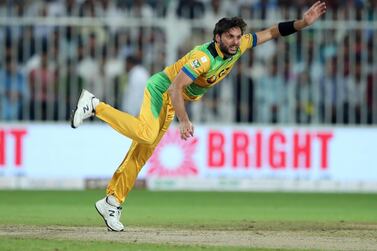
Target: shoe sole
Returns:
[[108, 227], [74, 111]]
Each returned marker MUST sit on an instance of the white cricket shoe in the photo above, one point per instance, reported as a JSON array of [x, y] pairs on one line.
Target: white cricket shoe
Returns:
[[110, 213], [84, 109]]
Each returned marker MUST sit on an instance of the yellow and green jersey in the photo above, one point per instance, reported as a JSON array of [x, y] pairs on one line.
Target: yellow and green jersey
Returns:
[[207, 66]]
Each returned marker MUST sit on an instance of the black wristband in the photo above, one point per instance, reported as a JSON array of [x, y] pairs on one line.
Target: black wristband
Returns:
[[286, 28]]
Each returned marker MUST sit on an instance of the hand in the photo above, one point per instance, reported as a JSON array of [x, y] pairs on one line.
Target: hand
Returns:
[[317, 10], [186, 129]]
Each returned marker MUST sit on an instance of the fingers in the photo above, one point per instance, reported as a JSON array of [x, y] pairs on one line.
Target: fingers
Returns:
[[316, 4], [186, 130], [323, 8], [320, 6], [323, 11], [317, 9], [187, 133]]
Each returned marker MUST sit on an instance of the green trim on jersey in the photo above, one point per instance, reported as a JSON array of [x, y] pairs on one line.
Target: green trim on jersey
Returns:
[[157, 84], [195, 90], [204, 48]]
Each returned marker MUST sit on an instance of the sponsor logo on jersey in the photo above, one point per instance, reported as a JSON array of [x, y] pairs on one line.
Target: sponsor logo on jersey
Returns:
[[211, 79], [195, 64]]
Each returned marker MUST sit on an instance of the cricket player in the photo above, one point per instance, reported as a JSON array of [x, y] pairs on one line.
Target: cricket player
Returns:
[[188, 79]]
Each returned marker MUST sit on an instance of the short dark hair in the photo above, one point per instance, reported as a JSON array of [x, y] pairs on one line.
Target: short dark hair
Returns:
[[226, 23]]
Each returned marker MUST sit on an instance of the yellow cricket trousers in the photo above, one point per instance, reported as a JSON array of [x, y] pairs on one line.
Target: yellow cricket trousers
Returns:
[[146, 131]]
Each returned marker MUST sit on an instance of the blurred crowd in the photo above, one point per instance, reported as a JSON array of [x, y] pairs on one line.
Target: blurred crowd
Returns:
[[322, 76], [160, 8]]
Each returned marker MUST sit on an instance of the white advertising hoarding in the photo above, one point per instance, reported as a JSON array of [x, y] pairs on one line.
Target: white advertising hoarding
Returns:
[[228, 157], [58, 151]]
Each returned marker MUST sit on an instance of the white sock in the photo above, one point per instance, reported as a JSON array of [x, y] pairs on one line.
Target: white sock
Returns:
[[112, 201], [95, 102]]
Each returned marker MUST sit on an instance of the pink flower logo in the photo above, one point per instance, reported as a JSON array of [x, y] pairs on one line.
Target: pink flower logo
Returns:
[[173, 157]]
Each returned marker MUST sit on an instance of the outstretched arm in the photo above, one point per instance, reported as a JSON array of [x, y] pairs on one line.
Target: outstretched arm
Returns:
[[287, 28]]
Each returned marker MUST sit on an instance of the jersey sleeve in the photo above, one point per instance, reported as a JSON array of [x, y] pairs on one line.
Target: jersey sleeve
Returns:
[[248, 41], [197, 64]]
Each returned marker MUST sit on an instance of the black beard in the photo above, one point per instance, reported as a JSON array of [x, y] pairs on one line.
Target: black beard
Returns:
[[225, 51]]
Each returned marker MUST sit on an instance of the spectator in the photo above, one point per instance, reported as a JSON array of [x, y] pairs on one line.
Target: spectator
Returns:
[[356, 96], [42, 81], [216, 9], [13, 90], [63, 8], [270, 94], [134, 91], [108, 8], [332, 93], [190, 9], [160, 7], [70, 86], [243, 96], [68, 42], [113, 69], [92, 32], [4, 8], [26, 45], [154, 46], [43, 31], [141, 9], [304, 99], [89, 67]]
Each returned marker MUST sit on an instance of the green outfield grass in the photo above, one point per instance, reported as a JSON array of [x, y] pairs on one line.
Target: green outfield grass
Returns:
[[183, 210], [186, 209], [12, 244]]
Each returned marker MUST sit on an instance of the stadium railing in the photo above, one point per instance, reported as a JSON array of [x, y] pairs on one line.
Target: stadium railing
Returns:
[[324, 75]]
